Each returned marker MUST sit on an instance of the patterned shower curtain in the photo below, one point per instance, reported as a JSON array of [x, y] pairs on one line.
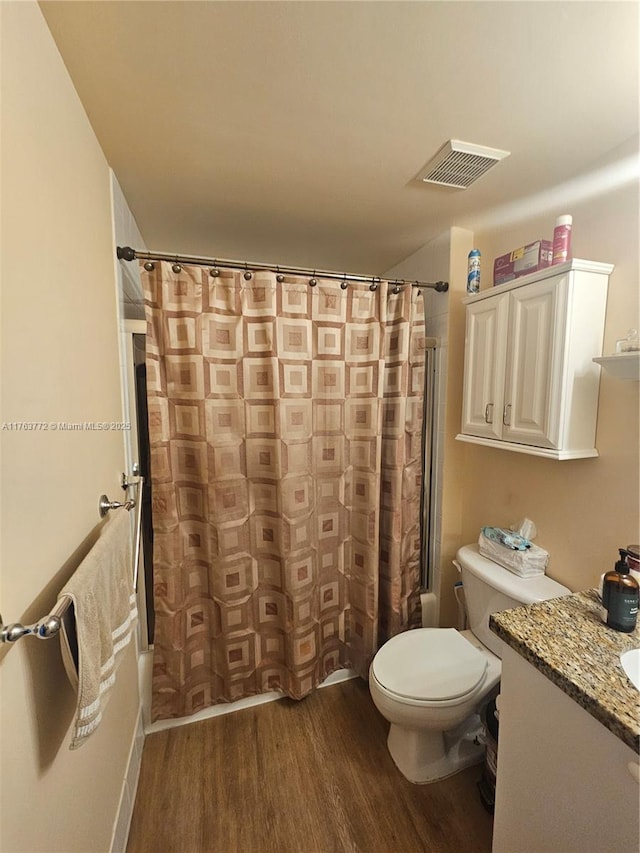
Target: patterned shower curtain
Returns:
[[285, 427]]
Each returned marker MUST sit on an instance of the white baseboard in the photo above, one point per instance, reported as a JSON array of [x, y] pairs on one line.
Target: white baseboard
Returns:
[[129, 788]]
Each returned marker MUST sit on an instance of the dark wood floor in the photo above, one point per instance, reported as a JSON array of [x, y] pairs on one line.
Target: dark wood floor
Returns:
[[288, 777]]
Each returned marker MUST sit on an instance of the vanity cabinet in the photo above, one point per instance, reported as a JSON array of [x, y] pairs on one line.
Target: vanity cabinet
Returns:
[[530, 383], [564, 781]]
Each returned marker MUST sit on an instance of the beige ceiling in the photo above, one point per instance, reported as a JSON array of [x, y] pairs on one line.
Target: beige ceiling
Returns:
[[293, 132]]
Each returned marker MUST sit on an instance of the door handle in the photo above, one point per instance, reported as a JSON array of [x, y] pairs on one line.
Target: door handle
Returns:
[[505, 414], [487, 419]]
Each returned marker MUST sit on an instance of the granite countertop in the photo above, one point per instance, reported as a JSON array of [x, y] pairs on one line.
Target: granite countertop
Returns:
[[566, 640]]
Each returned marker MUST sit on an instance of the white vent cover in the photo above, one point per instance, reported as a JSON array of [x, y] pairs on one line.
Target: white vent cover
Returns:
[[459, 164]]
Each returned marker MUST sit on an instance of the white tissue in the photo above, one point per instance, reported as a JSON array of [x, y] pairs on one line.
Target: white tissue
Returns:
[[527, 529], [528, 563]]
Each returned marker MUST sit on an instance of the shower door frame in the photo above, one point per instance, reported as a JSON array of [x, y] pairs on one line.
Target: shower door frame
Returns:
[[132, 455], [428, 497]]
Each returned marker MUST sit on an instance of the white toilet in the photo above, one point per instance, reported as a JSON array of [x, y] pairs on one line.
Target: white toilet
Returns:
[[429, 683]]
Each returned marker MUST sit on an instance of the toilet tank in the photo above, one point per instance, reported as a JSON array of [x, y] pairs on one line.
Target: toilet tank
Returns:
[[489, 588]]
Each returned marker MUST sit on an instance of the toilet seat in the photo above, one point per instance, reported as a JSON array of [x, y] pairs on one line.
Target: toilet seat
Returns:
[[430, 665]]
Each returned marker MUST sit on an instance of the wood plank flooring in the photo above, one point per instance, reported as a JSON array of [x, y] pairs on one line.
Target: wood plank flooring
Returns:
[[288, 777]]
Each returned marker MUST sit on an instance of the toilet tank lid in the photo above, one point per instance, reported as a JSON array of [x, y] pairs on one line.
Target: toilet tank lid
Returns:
[[523, 590]]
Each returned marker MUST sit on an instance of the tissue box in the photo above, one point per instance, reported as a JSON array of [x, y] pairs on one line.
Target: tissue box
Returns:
[[522, 261], [526, 564]]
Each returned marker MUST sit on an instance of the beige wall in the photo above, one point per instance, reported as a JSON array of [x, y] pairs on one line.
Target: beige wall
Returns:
[[584, 509], [59, 363]]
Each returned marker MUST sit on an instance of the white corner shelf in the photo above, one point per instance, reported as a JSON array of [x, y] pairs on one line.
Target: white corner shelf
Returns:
[[623, 365]]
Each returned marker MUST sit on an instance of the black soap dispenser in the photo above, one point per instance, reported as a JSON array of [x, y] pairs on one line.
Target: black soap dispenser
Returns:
[[620, 596]]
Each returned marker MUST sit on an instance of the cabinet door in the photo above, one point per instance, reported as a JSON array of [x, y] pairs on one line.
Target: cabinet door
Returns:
[[535, 353], [484, 366]]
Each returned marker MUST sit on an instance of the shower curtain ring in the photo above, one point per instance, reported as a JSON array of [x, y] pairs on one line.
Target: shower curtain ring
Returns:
[[396, 288], [344, 284], [149, 266], [279, 276], [374, 284], [313, 280], [247, 274], [176, 266], [214, 272]]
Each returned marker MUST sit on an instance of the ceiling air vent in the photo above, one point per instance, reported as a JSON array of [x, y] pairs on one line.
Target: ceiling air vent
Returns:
[[459, 164]]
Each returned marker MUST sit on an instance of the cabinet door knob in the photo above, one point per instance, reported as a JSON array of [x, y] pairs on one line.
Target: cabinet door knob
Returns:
[[505, 415], [487, 419]]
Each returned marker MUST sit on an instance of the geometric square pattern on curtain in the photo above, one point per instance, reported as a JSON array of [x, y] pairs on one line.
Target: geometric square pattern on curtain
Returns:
[[285, 426]]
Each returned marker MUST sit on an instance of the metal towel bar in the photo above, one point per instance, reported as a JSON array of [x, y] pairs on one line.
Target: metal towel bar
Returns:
[[50, 625]]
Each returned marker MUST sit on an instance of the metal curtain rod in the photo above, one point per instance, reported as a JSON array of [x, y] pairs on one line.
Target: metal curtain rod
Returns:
[[126, 253]]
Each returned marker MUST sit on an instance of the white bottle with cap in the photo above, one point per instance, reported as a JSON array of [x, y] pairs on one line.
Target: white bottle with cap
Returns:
[[562, 239]]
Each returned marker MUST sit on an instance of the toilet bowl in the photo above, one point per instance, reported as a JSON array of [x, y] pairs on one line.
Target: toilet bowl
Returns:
[[429, 684]]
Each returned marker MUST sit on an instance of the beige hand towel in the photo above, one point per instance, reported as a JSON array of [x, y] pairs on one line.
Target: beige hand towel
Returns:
[[99, 626]]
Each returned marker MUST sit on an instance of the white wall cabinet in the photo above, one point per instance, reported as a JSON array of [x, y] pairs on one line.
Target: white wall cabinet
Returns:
[[530, 383]]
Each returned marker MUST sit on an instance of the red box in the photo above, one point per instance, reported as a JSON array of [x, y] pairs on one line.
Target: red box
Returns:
[[522, 261]]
